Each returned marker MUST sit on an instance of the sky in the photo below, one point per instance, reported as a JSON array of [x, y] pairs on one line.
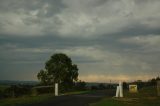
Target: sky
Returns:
[[107, 39]]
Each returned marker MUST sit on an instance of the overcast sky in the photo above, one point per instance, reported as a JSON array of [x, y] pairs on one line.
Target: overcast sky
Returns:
[[107, 39]]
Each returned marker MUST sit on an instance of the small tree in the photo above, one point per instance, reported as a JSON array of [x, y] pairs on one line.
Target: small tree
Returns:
[[43, 77], [59, 69], [80, 85], [101, 86]]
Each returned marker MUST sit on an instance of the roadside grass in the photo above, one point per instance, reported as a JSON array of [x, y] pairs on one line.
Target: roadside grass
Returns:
[[107, 102], [3, 87], [145, 97], [25, 100]]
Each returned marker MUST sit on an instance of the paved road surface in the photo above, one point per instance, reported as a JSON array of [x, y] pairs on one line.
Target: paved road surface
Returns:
[[77, 100]]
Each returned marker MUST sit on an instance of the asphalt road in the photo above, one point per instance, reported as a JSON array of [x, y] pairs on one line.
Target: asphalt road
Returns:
[[77, 100]]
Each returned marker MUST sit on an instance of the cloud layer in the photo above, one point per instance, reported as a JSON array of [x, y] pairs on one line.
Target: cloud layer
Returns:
[[77, 17], [105, 38]]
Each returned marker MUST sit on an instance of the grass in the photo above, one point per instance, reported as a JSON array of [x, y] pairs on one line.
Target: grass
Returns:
[[32, 99], [25, 100], [145, 97], [3, 87], [107, 102]]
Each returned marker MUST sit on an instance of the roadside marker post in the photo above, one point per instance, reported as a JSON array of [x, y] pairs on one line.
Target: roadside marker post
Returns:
[[56, 89], [119, 91]]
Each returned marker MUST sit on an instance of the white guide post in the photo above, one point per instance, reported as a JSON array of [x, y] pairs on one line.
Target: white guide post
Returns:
[[119, 91], [56, 89]]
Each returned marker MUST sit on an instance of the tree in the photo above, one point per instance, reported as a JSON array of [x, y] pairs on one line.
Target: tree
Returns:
[[125, 85], [44, 77], [80, 85], [101, 86], [59, 69]]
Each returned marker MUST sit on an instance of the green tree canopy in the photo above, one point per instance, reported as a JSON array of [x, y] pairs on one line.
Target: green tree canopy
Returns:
[[58, 68]]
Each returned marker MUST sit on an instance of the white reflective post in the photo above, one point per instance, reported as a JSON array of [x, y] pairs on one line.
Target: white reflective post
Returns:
[[121, 89], [56, 89], [117, 92]]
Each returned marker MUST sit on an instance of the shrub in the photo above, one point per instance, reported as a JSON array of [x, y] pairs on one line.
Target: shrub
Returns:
[[1, 94], [17, 90], [81, 85], [42, 90], [101, 86]]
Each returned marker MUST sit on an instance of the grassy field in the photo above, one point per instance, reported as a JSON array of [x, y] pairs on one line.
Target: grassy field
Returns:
[[32, 99], [3, 87], [145, 97], [22, 100], [25, 100]]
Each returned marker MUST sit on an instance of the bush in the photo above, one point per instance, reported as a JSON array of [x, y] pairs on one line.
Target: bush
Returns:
[[1, 94], [94, 87], [81, 85], [17, 90], [42, 90], [101, 87]]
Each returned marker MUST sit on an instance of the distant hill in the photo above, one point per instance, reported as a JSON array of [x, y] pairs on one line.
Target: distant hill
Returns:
[[10, 82], [89, 84], [14, 82]]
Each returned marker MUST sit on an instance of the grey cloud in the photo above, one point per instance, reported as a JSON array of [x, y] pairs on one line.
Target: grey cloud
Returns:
[[28, 17], [77, 18], [99, 35], [26, 6]]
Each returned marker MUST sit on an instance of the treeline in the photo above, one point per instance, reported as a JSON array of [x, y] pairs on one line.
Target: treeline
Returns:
[[102, 86], [15, 91], [30, 90], [33, 90], [141, 84]]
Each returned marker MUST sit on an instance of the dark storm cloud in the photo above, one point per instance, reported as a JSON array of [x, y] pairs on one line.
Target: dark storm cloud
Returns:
[[104, 37], [17, 5]]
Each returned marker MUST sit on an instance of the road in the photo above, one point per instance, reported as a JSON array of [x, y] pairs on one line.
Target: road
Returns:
[[77, 100]]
